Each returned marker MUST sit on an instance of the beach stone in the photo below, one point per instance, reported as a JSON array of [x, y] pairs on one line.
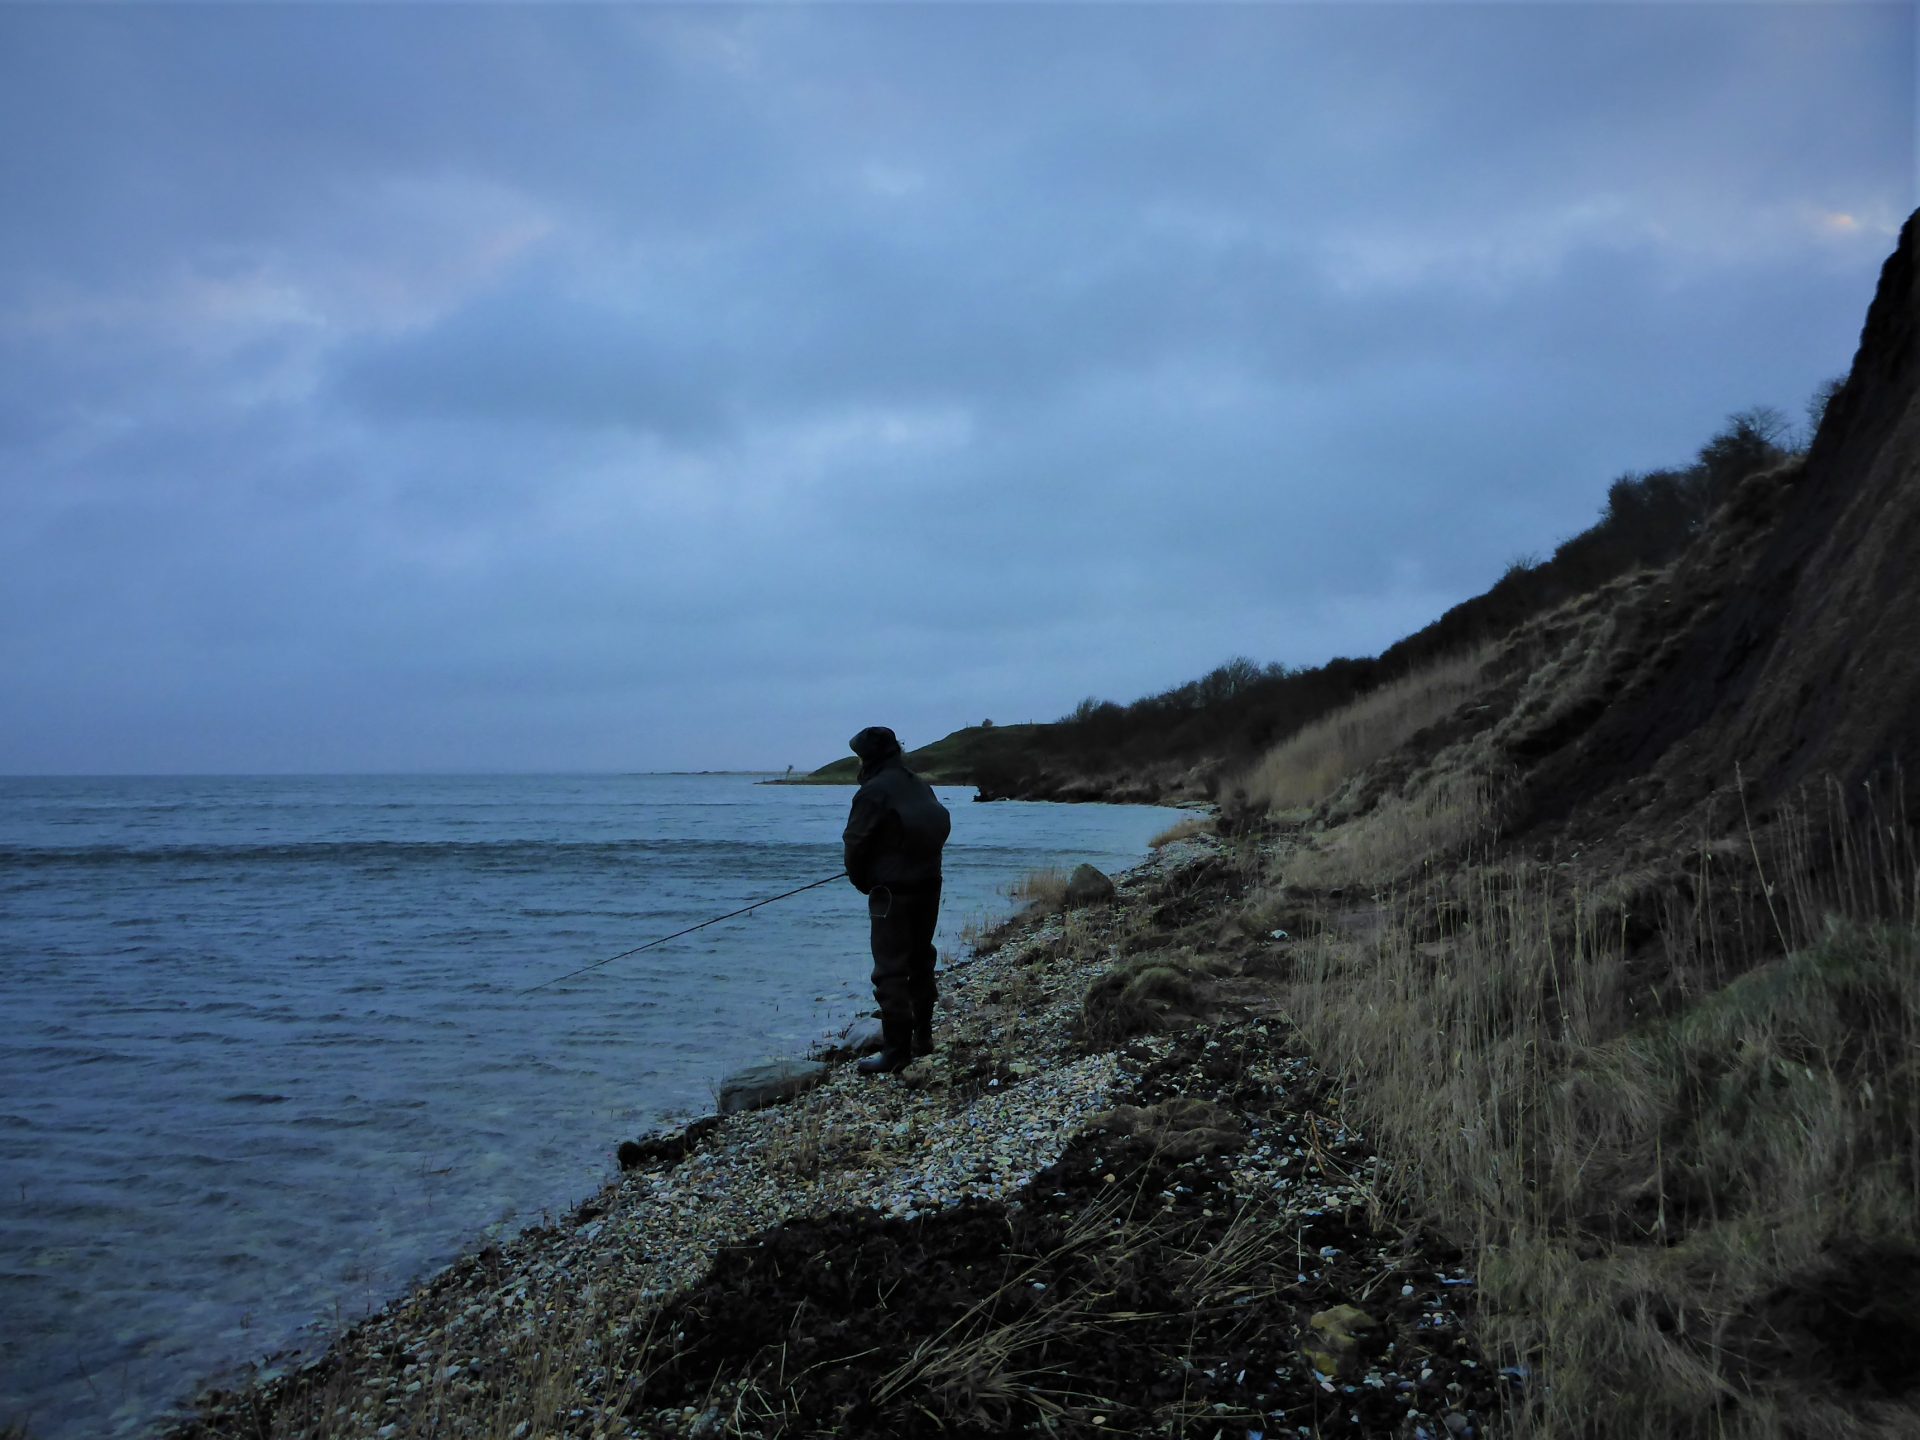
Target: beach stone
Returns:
[[1337, 1335], [759, 1086], [863, 1036], [1088, 886], [926, 1073]]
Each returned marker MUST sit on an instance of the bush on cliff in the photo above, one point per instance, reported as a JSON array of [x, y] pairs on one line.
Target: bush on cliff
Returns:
[[1241, 709]]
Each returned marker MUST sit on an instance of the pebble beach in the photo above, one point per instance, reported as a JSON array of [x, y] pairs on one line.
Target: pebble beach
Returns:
[[562, 1330]]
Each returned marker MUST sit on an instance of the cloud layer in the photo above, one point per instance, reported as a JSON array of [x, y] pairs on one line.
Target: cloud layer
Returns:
[[548, 388]]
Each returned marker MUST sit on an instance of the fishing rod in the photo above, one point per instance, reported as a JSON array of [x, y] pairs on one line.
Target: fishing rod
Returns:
[[678, 933]]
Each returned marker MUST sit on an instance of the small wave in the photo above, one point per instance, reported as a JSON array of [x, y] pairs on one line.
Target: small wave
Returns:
[[374, 852], [254, 1097], [281, 1146], [63, 1054]]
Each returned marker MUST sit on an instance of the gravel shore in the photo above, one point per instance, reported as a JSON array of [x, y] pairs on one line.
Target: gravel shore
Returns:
[[642, 1313]]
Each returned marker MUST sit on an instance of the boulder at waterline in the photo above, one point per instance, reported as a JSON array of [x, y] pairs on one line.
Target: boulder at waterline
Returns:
[[759, 1086], [1087, 886]]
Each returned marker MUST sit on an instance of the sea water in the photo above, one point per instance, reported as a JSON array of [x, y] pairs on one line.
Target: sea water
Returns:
[[267, 1053]]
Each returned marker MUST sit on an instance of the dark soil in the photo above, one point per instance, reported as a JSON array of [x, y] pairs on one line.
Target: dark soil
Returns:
[[1083, 1307], [1784, 640]]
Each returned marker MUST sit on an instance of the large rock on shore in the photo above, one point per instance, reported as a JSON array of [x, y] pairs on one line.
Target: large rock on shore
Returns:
[[759, 1086], [1088, 886], [863, 1036]]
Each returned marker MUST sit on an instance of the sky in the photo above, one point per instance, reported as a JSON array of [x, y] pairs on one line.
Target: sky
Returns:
[[461, 387]]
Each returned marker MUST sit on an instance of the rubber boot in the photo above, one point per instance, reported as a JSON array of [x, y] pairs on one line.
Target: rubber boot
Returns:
[[922, 1036], [895, 1052]]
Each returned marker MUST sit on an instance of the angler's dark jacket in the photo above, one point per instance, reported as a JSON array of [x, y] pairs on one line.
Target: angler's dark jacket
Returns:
[[896, 829]]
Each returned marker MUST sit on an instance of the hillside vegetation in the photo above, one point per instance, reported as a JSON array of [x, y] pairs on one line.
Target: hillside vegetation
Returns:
[[1181, 743], [1612, 927]]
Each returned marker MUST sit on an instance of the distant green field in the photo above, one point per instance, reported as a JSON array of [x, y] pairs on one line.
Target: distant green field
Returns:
[[955, 760]]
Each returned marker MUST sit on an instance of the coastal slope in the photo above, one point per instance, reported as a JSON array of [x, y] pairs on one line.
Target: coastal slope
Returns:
[[1527, 1047]]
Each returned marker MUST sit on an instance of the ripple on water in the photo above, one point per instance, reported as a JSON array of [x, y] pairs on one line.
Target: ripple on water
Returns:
[[72, 1056], [282, 1150]]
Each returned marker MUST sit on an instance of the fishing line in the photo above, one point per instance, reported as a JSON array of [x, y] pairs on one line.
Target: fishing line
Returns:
[[678, 933]]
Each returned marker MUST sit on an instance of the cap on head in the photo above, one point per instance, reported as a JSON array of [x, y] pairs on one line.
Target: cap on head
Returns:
[[876, 742]]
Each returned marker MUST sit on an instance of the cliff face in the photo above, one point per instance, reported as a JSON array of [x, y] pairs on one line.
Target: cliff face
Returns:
[[1839, 691], [1787, 643], [1649, 1051]]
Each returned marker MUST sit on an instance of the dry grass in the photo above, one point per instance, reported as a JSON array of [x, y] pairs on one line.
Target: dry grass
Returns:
[[992, 1370], [975, 933], [1042, 891], [812, 1142], [1437, 815], [1039, 893], [984, 1369], [1249, 1260], [1308, 767], [1187, 829], [1697, 1212]]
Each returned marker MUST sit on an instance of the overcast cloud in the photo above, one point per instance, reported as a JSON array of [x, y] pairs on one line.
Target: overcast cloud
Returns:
[[542, 388]]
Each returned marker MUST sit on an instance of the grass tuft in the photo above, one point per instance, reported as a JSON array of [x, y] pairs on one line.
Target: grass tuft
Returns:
[[1139, 996], [1188, 829], [1042, 891]]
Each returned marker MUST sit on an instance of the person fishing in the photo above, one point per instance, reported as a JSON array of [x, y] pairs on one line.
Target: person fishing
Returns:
[[895, 833]]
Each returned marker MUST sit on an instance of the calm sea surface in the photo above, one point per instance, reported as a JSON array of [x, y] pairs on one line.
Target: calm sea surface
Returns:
[[265, 1055]]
